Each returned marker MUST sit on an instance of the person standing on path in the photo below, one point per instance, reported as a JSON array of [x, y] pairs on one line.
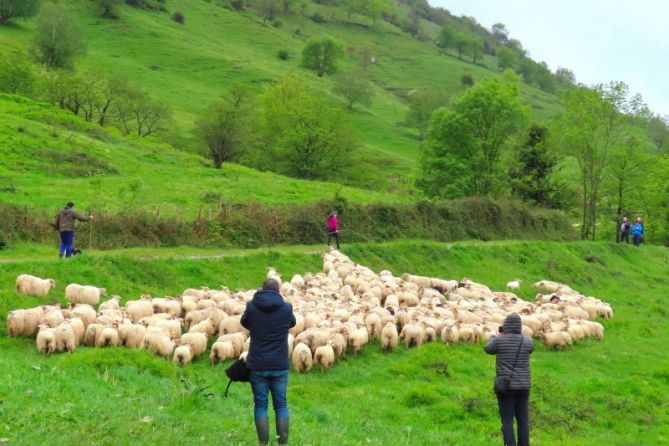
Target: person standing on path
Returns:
[[637, 232], [268, 318], [333, 228], [64, 224], [512, 351], [624, 230]]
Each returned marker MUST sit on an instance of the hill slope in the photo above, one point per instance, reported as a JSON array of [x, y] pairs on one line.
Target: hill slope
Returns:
[[610, 392]]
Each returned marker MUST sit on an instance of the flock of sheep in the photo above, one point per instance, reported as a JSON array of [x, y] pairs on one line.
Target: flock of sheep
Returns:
[[338, 311]]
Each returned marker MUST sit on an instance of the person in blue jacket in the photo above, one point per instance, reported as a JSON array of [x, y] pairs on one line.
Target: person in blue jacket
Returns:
[[637, 232], [268, 318]]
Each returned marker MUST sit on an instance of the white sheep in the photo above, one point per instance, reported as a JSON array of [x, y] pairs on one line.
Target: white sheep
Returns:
[[108, 337], [131, 335], [158, 343], [183, 355], [302, 359], [389, 337], [84, 294], [221, 351], [65, 339], [324, 356], [111, 304], [196, 340], [46, 340], [33, 286], [86, 313], [140, 308], [513, 285]]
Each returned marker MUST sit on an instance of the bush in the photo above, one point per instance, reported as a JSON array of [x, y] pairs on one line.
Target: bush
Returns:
[[179, 17], [317, 18], [284, 54], [467, 80], [238, 5], [277, 23]]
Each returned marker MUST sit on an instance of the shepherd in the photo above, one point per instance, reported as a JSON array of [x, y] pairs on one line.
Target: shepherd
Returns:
[[333, 228], [64, 224]]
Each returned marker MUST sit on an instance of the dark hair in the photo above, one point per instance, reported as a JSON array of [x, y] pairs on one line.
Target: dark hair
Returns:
[[271, 285], [69, 204]]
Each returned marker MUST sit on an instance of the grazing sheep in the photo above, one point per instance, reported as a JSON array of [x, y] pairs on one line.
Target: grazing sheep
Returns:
[[132, 335], [559, 339], [158, 343], [231, 324], [65, 339], [108, 338], [52, 318], [86, 313], [272, 274], [222, 351], [237, 340], [84, 294], [358, 339], [92, 333], [389, 337], [196, 340], [78, 328], [46, 340], [206, 326], [233, 307], [137, 309], [183, 355], [197, 294], [513, 285], [173, 326], [301, 359], [338, 342], [413, 335], [324, 357], [111, 304], [430, 334], [33, 286], [373, 324]]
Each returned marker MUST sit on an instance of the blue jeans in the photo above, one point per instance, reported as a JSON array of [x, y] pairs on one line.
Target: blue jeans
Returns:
[[66, 243], [274, 381]]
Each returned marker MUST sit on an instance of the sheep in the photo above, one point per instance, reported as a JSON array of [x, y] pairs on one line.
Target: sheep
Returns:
[[221, 351], [430, 334], [324, 356], [231, 324], [183, 355], [196, 340], [65, 339], [513, 285], [78, 328], [159, 344], [297, 281], [373, 324], [197, 294], [108, 338], [272, 274], [86, 313], [140, 308], [33, 286], [301, 359], [389, 337], [132, 335], [338, 343], [84, 294], [46, 340], [52, 318], [237, 340], [92, 333], [111, 304], [358, 339], [559, 339], [233, 307], [413, 335], [206, 326], [196, 316], [24, 322], [173, 326]]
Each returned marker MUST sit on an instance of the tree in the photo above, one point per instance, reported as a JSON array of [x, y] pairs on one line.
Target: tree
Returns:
[[10, 9], [500, 32], [109, 8], [593, 124], [374, 9], [16, 76], [307, 136], [475, 48], [461, 44], [565, 76], [447, 38], [58, 40], [136, 112], [412, 25], [354, 87], [544, 78], [421, 105], [227, 126], [506, 58], [321, 55], [517, 46], [269, 9], [526, 69], [461, 154], [531, 173]]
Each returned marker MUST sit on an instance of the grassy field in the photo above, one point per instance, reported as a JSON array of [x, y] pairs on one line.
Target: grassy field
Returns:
[[188, 65], [611, 392], [48, 157]]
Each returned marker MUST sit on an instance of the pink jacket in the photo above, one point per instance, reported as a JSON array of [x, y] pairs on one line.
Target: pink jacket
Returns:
[[333, 225]]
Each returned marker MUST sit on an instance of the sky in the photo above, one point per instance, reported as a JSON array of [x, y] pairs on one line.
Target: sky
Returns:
[[599, 40]]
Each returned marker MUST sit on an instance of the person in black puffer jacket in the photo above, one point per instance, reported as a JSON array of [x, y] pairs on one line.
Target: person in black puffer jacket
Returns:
[[515, 402], [268, 318]]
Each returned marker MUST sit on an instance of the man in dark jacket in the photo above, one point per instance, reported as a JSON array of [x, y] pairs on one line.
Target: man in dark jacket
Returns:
[[65, 220], [515, 401], [268, 317]]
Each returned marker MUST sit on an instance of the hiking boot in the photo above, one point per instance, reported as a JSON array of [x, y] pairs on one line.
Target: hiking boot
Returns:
[[262, 429], [282, 430]]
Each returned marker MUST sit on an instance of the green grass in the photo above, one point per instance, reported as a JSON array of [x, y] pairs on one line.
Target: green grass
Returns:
[[188, 65], [609, 392], [48, 157]]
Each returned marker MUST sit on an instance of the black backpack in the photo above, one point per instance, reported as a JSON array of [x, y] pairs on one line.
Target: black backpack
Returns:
[[237, 372]]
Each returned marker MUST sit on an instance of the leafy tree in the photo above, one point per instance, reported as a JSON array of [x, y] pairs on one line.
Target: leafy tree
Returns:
[[628, 165], [447, 38], [517, 46], [462, 152], [58, 40], [374, 9], [412, 25], [16, 76], [500, 32], [109, 8], [137, 113], [506, 58], [227, 126], [531, 173], [10, 9], [269, 9], [354, 87], [350, 6], [565, 76], [526, 69], [422, 104], [461, 44], [321, 55], [544, 78], [475, 48], [593, 124], [307, 136]]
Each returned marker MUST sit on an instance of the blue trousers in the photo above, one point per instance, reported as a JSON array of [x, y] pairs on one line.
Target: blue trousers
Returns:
[[66, 243], [264, 382], [515, 405]]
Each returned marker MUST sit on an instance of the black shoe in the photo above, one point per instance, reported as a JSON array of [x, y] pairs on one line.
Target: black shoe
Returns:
[[282, 425], [76, 251], [262, 429]]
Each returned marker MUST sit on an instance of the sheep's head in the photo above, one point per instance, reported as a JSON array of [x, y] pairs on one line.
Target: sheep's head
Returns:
[[103, 291], [52, 283]]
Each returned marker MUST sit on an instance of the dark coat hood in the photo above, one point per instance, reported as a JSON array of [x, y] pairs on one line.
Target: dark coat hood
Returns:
[[268, 301], [513, 324]]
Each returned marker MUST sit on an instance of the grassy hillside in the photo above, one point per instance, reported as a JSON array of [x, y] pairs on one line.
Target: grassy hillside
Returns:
[[48, 157], [189, 65], [611, 392]]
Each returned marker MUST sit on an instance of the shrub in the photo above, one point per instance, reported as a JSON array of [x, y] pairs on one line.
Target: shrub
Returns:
[[179, 17], [238, 5], [284, 54], [467, 80], [277, 23], [318, 18]]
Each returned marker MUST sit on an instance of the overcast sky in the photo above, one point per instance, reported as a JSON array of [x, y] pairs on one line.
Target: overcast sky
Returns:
[[600, 40]]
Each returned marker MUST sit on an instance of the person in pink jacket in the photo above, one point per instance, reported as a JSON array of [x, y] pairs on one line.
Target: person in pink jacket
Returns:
[[333, 228]]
